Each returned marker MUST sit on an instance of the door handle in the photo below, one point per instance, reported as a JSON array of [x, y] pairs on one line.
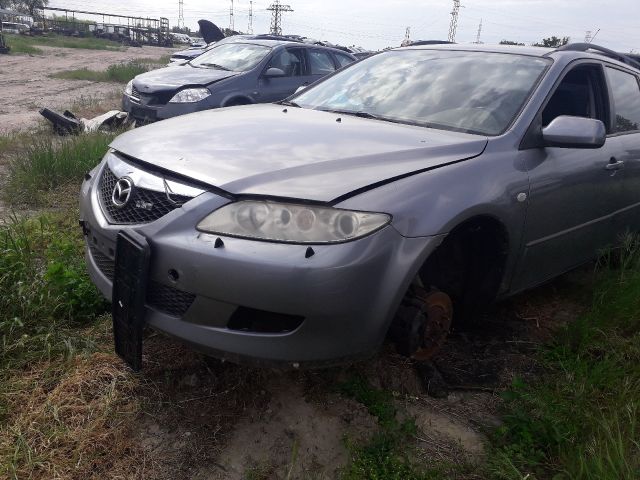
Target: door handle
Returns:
[[614, 164]]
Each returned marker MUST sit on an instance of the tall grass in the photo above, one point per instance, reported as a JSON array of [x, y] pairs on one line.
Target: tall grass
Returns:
[[582, 419], [45, 164]]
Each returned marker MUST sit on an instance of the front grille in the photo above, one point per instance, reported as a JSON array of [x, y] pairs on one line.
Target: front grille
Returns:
[[104, 263], [135, 94], [144, 205], [168, 299]]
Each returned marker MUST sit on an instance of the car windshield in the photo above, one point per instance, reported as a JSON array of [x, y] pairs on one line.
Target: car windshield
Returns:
[[474, 92], [237, 57]]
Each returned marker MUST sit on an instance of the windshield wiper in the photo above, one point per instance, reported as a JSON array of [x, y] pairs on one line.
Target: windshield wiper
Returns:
[[362, 114], [215, 65], [289, 103]]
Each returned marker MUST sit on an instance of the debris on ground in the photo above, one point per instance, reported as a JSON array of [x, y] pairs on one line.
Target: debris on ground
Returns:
[[67, 123]]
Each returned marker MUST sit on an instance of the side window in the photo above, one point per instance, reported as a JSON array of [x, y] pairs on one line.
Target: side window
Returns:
[[343, 60], [290, 61], [580, 94], [626, 100], [321, 62]]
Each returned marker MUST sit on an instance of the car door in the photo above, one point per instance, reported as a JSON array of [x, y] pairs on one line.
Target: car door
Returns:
[[574, 194], [320, 63], [292, 62], [624, 88]]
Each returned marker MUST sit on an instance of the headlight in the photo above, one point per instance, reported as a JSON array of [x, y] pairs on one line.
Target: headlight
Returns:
[[129, 88], [291, 223], [190, 95]]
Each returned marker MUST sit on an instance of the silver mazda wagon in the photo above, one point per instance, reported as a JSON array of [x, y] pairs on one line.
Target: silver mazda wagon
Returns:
[[414, 185]]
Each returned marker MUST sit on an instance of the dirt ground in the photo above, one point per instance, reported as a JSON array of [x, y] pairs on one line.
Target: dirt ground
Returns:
[[206, 420], [27, 87]]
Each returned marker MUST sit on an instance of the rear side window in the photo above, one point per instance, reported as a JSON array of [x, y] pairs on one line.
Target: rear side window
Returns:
[[343, 60], [321, 63], [626, 100]]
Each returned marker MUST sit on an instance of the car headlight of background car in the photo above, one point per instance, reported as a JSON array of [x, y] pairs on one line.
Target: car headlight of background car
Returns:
[[129, 88], [190, 95], [291, 223]]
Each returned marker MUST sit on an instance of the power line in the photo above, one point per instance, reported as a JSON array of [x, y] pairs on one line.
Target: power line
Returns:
[[454, 21], [276, 19]]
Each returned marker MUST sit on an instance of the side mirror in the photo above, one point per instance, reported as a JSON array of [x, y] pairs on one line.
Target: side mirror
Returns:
[[574, 132], [274, 72]]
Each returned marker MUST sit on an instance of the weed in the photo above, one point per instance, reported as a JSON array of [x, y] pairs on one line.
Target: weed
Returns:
[[119, 73], [44, 289], [387, 455], [44, 165], [581, 420], [25, 44]]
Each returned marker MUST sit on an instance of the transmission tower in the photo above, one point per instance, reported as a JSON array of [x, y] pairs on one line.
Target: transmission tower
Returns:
[[479, 33], [454, 21], [588, 37], [231, 23], [180, 14], [407, 37], [276, 19], [250, 26]]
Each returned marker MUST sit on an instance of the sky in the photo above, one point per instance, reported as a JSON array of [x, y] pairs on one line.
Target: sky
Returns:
[[376, 25]]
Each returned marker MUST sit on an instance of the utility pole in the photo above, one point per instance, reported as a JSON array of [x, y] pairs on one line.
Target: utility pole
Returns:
[[231, 24], [407, 37], [250, 26], [454, 21], [588, 37], [276, 19], [479, 33], [181, 14]]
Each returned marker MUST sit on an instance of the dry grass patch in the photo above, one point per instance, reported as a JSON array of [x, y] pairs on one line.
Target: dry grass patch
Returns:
[[70, 420]]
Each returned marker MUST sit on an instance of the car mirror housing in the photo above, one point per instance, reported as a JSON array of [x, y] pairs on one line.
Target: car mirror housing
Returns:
[[574, 132], [274, 72]]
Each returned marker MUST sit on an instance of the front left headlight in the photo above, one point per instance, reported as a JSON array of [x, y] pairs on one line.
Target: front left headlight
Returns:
[[128, 90], [291, 223], [190, 95]]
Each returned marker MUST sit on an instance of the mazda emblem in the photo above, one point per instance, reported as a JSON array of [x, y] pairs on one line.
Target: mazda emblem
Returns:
[[122, 192]]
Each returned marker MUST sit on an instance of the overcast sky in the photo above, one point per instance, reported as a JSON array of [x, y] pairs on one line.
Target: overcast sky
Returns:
[[377, 25]]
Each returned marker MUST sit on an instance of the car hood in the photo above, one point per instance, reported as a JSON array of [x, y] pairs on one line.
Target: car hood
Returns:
[[292, 152], [170, 78], [189, 53]]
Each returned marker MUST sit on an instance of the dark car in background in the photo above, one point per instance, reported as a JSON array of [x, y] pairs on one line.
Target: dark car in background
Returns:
[[236, 73]]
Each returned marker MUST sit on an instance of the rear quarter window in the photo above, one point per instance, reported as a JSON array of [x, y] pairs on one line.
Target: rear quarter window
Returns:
[[626, 100], [343, 60]]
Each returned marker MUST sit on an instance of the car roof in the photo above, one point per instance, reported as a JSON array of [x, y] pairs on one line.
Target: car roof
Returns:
[[276, 43], [570, 51]]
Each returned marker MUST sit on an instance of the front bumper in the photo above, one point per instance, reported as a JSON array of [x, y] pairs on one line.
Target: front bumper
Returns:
[[149, 113], [335, 305]]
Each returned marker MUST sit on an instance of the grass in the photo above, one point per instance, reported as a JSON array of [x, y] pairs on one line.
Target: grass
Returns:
[[120, 73], [581, 420], [45, 164], [389, 454], [28, 45]]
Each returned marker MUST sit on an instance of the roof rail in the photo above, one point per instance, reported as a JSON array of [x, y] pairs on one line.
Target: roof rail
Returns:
[[583, 47]]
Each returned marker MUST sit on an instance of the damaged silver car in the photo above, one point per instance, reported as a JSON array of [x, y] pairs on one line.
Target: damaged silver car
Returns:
[[416, 184]]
